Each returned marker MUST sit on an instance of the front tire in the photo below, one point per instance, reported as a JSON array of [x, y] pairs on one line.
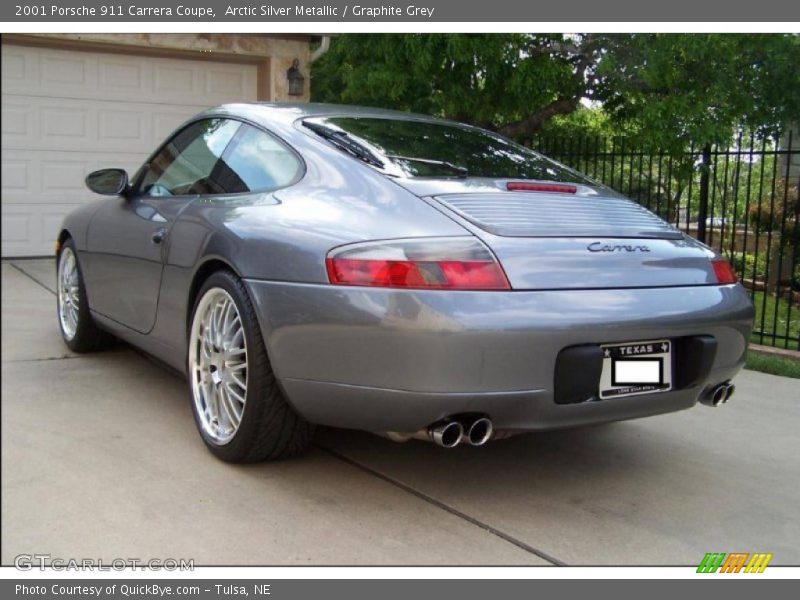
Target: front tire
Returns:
[[238, 406], [78, 329]]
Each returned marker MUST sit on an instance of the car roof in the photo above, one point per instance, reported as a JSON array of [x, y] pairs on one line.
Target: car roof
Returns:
[[292, 111]]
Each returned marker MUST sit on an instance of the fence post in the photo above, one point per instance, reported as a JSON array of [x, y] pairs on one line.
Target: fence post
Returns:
[[702, 207]]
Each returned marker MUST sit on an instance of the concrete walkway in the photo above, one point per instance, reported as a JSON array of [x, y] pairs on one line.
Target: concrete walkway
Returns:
[[100, 459]]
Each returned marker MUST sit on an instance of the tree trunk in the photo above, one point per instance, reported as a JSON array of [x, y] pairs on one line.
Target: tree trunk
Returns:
[[534, 123]]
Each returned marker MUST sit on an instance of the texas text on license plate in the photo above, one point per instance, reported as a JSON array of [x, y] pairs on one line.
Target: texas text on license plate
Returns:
[[636, 368]]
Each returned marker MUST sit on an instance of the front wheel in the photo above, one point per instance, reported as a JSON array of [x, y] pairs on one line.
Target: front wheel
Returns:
[[238, 407], [78, 328]]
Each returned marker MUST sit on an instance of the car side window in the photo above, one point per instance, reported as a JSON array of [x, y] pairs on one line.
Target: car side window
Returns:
[[186, 163], [256, 162]]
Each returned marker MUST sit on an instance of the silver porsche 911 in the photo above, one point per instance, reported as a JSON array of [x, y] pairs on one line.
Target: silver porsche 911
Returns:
[[396, 273]]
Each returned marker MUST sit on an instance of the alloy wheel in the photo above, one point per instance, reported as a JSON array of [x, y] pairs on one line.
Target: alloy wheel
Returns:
[[68, 293], [218, 365]]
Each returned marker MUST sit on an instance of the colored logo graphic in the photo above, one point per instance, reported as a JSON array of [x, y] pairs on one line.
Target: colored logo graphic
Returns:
[[734, 562]]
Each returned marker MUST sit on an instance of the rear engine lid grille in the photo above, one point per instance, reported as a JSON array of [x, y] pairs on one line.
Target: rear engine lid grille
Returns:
[[516, 214]]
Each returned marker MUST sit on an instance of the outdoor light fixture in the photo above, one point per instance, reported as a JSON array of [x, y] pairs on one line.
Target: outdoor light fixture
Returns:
[[295, 78]]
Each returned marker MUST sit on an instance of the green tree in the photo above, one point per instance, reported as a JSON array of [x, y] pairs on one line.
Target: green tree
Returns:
[[664, 89], [586, 121]]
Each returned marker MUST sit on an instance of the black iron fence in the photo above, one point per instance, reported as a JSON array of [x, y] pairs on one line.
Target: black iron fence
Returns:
[[740, 199]]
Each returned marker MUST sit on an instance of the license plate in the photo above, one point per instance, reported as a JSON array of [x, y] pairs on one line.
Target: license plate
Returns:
[[636, 368]]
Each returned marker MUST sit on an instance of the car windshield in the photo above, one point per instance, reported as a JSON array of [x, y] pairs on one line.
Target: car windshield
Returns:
[[415, 148]]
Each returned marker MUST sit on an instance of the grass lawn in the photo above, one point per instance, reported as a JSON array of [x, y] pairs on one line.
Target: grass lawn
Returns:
[[766, 304], [774, 365]]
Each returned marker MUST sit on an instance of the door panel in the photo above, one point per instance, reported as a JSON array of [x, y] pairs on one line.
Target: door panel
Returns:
[[124, 263], [128, 237]]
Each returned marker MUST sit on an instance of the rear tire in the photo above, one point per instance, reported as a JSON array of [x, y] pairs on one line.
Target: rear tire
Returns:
[[238, 407], [78, 329]]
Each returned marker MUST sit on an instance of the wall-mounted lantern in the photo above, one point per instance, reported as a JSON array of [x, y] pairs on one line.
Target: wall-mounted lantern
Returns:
[[296, 79]]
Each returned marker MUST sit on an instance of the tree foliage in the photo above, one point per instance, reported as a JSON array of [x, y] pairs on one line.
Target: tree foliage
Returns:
[[667, 89]]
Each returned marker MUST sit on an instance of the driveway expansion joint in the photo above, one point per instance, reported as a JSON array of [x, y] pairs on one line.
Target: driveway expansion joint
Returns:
[[31, 277], [441, 505], [44, 359]]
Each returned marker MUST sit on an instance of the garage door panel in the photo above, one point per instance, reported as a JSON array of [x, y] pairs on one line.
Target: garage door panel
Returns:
[[216, 83], [64, 177], [16, 227], [172, 81], [32, 230], [71, 72], [67, 113], [15, 174], [17, 66], [38, 123], [89, 75], [70, 122], [117, 125], [123, 78], [226, 84], [54, 177], [49, 124], [17, 120]]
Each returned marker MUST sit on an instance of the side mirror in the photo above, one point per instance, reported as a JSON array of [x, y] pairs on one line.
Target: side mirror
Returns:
[[109, 182]]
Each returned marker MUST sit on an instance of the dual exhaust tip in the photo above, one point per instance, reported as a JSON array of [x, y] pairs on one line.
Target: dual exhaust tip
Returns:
[[451, 433], [476, 431], [719, 394]]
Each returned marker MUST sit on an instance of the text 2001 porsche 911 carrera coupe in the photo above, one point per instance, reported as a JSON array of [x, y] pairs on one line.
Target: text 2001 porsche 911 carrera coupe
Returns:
[[395, 273]]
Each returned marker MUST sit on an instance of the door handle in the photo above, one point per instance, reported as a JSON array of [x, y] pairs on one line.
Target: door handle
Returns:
[[159, 235]]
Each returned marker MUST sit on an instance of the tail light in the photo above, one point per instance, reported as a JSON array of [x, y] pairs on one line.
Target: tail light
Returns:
[[431, 263], [723, 271]]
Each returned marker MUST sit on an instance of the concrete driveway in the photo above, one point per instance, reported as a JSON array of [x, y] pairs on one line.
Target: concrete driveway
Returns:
[[100, 459]]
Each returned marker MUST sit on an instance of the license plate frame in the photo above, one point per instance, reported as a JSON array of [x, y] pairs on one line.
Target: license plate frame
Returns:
[[629, 368]]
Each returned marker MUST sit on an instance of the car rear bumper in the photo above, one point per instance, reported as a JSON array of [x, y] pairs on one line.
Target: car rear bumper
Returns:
[[399, 360]]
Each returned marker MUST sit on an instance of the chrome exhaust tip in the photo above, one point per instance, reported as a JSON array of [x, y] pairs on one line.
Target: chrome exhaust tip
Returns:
[[479, 432], [718, 397], [729, 392], [446, 434], [719, 394]]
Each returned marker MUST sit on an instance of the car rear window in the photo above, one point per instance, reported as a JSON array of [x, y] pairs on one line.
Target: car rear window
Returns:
[[417, 148]]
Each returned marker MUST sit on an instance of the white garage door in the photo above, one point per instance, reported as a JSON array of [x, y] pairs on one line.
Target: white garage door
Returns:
[[66, 113]]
